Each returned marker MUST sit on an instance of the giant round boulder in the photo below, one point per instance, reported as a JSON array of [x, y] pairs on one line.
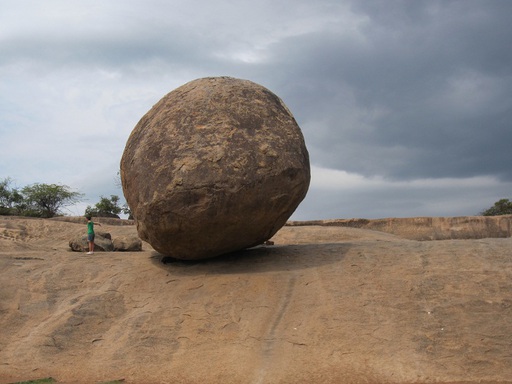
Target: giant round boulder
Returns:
[[217, 165]]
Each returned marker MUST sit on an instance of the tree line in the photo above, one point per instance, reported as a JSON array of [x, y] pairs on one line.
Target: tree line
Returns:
[[48, 200]]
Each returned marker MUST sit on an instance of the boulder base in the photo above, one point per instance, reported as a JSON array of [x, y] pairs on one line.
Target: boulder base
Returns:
[[217, 165]]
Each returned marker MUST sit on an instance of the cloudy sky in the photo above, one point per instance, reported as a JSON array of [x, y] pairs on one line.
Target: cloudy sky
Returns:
[[406, 106]]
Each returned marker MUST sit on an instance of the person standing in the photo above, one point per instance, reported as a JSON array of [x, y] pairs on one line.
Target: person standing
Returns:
[[90, 234]]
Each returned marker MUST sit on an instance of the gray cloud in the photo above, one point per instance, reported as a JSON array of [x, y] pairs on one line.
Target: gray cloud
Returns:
[[400, 91], [424, 92]]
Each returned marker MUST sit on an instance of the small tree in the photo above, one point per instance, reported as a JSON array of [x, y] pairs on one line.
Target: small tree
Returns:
[[5, 196], [46, 200], [11, 200], [105, 207], [5, 192], [501, 207]]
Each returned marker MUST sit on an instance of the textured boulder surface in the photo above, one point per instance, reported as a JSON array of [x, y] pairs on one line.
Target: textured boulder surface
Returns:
[[127, 244], [217, 165]]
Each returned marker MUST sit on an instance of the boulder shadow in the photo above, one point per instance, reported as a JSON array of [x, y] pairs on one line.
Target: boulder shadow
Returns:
[[259, 259]]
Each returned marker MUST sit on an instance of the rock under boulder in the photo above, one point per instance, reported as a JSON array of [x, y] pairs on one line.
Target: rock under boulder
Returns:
[[217, 165]]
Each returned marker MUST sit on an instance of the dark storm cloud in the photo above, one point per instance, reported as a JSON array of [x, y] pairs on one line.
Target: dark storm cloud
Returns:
[[424, 91]]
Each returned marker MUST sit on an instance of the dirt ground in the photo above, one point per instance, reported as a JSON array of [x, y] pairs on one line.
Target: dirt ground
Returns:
[[322, 305]]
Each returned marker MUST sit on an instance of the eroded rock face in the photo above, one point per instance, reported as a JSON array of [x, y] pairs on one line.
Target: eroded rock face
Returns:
[[217, 165], [127, 244]]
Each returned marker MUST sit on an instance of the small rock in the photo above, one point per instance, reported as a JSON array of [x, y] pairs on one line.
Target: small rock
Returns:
[[127, 244]]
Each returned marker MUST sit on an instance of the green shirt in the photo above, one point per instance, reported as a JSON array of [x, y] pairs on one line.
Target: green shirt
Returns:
[[90, 228]]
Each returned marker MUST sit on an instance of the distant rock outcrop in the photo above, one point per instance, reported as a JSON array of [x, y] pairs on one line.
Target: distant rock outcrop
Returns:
[[215, 166], [428, 228]]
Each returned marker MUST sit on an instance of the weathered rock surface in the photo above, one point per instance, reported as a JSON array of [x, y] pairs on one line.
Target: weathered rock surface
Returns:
[[216, 166], [325, 304], [102, 243], [127, 244]]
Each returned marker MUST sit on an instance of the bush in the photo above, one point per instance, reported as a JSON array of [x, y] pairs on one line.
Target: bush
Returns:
[[501, 207], [11, 200]]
